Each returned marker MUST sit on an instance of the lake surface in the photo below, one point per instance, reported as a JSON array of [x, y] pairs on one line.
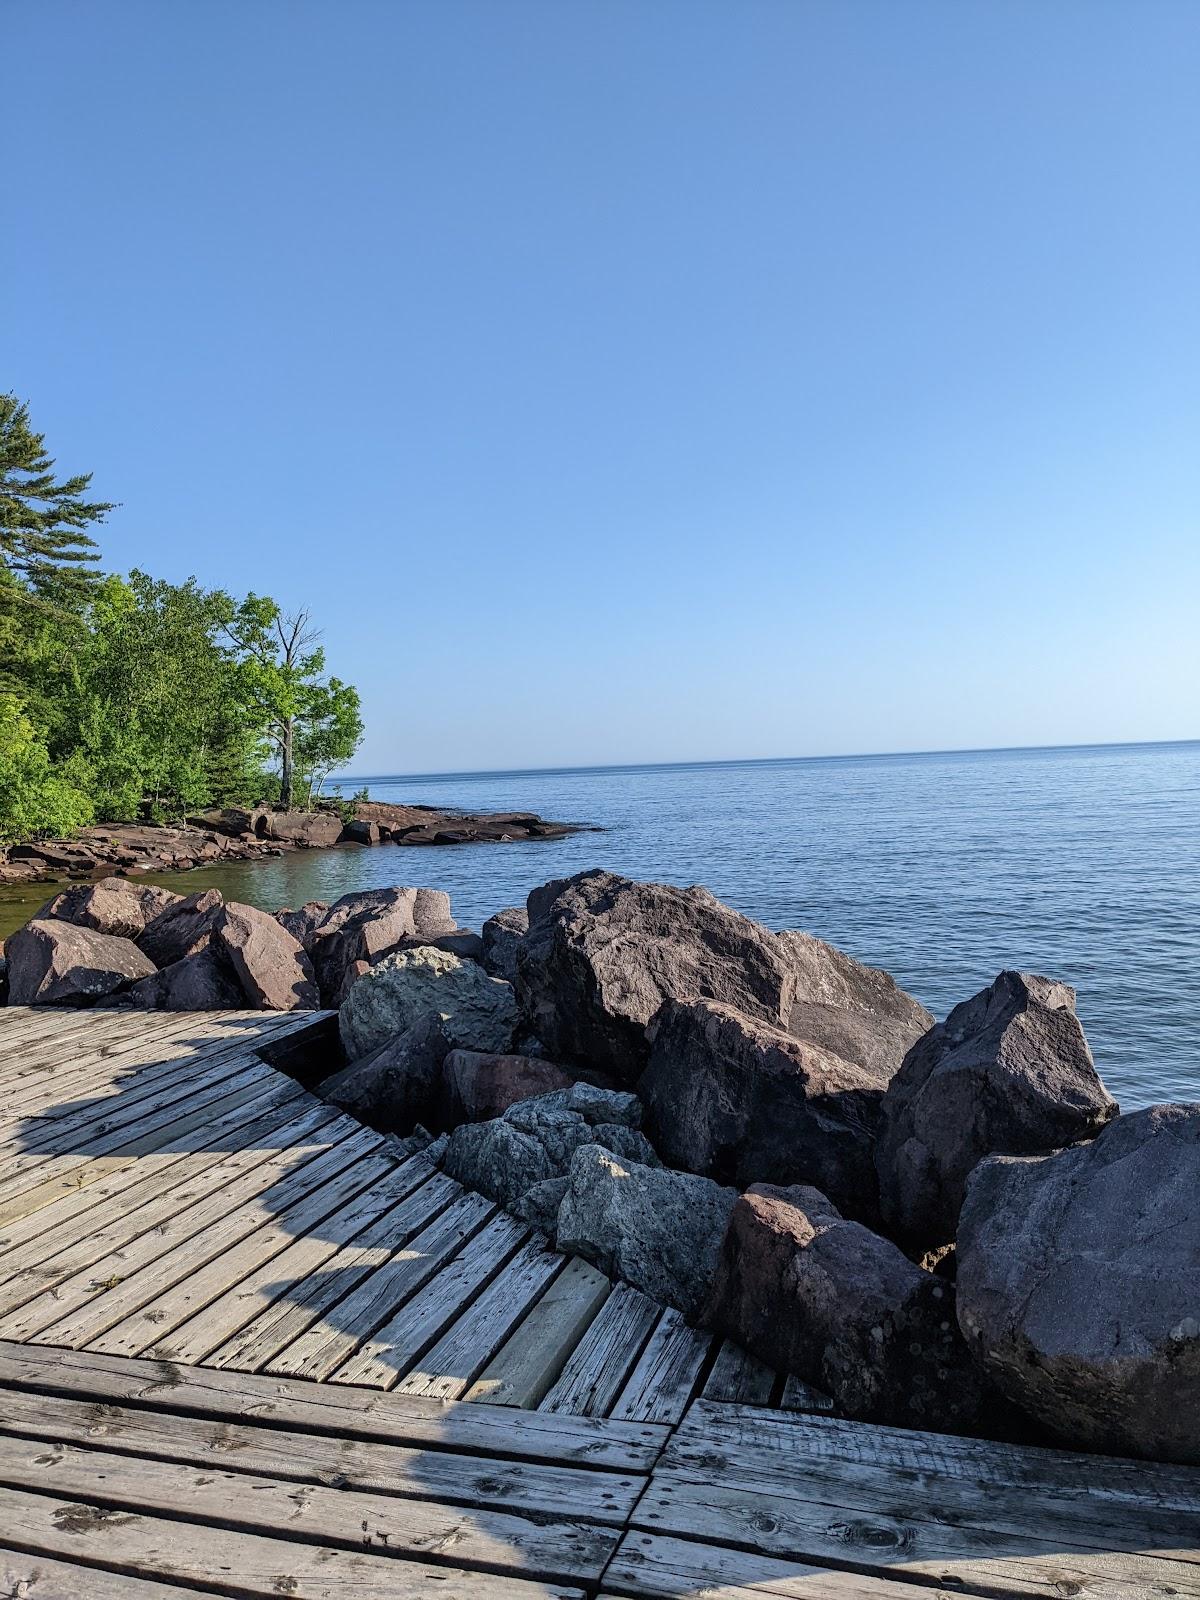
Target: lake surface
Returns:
[[1082, 863]]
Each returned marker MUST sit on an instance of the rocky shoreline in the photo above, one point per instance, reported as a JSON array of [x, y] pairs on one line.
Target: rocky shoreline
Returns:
[[943, 1225], [245, 835]]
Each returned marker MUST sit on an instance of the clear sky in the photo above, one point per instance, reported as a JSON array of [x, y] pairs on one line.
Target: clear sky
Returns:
[[639, 381]]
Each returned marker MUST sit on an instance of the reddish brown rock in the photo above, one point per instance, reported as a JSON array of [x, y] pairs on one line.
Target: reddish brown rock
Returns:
[[175, 932], [476, 1086], [602, 954], [114, 905], [1009, 1072], [809, 1292], [199, 982], [741, 1102], [271, 966], [55, 963]]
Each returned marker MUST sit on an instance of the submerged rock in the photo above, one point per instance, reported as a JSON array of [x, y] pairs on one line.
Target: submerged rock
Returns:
[[825, 1298], [658, 1230], [741, 1102], [1009, 1072], [56, 963], [603, 953], [1078, 1275], [479, 1012]]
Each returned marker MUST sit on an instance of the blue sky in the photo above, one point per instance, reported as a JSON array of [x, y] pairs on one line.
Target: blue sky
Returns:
[[655, 381]]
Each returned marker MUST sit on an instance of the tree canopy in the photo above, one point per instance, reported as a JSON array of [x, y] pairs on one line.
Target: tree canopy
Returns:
[[131, 697]]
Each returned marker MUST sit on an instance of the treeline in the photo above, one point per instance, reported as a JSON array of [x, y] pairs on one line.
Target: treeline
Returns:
[[126, 698]]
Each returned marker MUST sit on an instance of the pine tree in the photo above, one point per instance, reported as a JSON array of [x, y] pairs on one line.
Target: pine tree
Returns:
[[43, 543]]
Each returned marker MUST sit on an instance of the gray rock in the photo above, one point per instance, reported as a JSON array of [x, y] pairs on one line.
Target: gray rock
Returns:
[[539, 1206], [114, 905], [658, 1230], [56, 963], [826, 1299], [853, 1011], [480, 1012], [502, 936], [603, 953], [397, 1085], [741, 1102], [1078, 1282], [1008, 1073]]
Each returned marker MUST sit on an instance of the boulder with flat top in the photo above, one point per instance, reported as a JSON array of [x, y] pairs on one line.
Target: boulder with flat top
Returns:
[[1079, 1284], [602, 954], [1009, 1072]]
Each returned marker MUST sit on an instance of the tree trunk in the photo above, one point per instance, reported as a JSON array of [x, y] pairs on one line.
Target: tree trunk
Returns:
[[285, 767]]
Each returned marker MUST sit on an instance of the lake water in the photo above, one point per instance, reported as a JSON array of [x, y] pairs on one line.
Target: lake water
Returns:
[[1082, 863]]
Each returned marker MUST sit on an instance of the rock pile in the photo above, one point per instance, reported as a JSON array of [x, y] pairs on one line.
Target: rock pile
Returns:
[[938, 1224]]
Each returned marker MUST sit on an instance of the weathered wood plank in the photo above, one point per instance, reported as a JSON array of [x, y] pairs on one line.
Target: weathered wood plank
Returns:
[[684, 1569], [157, 1310], [79, 1305], [447, 1370], [660, 1387], [737, 1377], [344, 1518], [597, 1368], [539, 1488], [902, 1534], [389, 1353], [281, 1321], [271, 1122], [332, 1339], [247, 1564], [274, 1279], [362, 1414], [25, 1577], [747, 1437], [524, 1368]]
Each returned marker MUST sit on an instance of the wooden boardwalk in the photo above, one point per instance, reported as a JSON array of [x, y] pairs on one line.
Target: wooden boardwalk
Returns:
[[235, 1331]]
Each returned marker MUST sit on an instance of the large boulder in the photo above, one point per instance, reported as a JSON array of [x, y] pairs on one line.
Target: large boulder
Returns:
[[477, 1086], [828, 1300], [742, 1102], [502, 936], [114, 905], [856, 1012], [370, 924], [533, 1142], [1008, 1073], [396, 1086], [56, 963], [480, 1012], [201, 981], [269, 963], [182, 927], [1078, 1280], [658, 1230], [603, 953]]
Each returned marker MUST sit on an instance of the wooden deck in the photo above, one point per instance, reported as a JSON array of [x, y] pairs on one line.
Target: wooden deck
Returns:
[[235, 1329]]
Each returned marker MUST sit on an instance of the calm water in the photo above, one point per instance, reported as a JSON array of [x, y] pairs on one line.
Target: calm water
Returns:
[[1083, 864]]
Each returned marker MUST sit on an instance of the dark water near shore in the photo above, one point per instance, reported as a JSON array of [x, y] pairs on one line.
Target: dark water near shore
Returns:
[[1080, 863]]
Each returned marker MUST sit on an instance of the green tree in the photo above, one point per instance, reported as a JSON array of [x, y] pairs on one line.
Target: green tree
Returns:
[[43, 519], [312, 723], [35, 796]]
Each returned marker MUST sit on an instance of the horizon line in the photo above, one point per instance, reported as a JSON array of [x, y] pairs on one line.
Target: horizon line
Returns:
[[755, 761]]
